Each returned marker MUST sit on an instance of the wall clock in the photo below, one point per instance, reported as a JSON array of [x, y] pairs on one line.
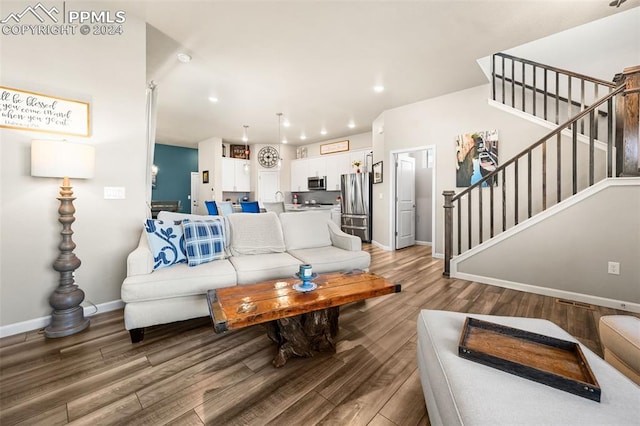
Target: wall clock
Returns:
[[268, 157]]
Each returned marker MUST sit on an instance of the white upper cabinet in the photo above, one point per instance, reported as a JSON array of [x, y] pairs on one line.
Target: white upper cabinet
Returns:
[[234, 177], [332, 166], [299, 175], [337, 165], [317, 167]]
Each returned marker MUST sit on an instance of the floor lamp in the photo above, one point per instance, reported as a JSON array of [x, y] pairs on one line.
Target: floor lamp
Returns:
[[62, 159]]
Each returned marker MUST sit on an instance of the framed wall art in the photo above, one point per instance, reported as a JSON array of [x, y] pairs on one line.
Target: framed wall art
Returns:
[[205, 176], [476, 157], [333, 147], [377, 172], [37, 112], [239, 151]]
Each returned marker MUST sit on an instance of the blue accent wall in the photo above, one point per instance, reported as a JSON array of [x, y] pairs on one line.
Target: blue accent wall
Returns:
[[173, 182]]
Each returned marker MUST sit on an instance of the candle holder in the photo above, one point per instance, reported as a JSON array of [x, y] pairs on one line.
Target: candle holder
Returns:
[[306, 275]]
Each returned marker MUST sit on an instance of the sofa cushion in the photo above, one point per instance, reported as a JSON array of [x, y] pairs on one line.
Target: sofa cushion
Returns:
[[261, 267], [179, 280], [332, 259], [305, 230], [620, 337], [166, 241], [204, 240], [255, 234]]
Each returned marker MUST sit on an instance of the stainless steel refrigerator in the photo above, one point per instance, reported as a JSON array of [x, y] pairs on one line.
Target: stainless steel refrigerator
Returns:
[[356, 205]]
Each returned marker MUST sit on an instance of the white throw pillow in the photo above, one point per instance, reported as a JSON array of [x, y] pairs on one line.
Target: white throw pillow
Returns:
[[305, 230], [255, 233], [166, 241]]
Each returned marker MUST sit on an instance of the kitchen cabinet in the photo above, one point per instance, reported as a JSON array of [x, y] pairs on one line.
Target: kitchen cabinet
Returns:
[[234, 177], [317, 167], [332, 166], [337, 165], [299, 175]]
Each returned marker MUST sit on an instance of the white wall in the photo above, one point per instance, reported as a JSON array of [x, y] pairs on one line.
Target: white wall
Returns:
[[437, 122], [570, 250], [356, 142], [424, 196], [210, 158], [109, 73], [574, 49]]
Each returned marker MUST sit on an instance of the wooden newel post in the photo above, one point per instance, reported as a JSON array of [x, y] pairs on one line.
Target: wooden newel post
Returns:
[[448, 229], [627, 128]]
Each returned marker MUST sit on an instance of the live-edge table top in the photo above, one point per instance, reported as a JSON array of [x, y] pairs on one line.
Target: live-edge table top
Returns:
[[244, 305]]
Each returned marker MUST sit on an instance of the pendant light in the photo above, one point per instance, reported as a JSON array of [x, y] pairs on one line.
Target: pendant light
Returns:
[[245, 139], [279, 114]]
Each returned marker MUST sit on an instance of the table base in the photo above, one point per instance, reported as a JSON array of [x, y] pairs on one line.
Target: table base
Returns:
[[300, 335]]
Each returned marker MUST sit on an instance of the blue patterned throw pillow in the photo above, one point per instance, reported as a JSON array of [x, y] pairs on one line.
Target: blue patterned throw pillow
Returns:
[[204, 240], [166, 240]]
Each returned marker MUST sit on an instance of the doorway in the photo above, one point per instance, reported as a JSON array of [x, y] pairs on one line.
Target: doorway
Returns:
[[413, 188], [268, 185], [195, 191]]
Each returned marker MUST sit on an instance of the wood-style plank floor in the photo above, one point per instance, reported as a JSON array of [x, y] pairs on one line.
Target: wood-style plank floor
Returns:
[[185, 374]]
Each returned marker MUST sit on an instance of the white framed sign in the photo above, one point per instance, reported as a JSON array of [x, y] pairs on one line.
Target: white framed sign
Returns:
[[32, 111], [333, 147]]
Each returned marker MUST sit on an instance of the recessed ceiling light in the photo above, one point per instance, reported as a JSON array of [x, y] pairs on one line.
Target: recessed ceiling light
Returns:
[[286, 123], [323, 132], [303, 136], [352, 125], [378, 88], [184, 58], [213, 99]]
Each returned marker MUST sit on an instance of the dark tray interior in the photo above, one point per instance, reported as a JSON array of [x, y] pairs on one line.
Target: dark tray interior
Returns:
[[547, 360]]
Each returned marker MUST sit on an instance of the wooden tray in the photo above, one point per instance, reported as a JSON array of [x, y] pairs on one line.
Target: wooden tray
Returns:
[[547, 360]]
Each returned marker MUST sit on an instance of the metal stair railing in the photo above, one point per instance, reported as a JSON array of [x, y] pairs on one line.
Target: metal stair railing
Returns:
[[550, 93], [517, 175]]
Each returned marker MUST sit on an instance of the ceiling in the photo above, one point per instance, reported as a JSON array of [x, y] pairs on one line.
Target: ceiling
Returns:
[[317, 62]]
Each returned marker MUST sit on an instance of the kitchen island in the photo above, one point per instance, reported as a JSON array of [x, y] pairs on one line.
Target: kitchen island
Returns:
[[331, 210]]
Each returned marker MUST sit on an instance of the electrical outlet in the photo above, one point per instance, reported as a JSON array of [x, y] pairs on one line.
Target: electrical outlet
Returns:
[[614, 268]]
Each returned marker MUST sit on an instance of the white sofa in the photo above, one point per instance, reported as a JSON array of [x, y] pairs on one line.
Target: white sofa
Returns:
[[259, 247]]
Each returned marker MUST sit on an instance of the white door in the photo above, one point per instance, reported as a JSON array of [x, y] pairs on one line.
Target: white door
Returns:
[[195, 190], [268, 185], [405, 202]]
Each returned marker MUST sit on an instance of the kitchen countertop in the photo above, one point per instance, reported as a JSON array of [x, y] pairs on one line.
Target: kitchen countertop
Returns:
[[306, 207]]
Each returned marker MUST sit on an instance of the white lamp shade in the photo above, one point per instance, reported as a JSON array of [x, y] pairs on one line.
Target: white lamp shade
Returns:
[[62, 159]]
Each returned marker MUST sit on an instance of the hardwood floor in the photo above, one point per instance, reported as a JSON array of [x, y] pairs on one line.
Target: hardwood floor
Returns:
[[185, 374]]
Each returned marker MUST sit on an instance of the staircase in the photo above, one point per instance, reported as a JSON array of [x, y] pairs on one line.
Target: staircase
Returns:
[[594, 137]]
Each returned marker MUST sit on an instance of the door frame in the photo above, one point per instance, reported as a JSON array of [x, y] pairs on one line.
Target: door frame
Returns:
[[260, 173], [393, 155], [195, 175]]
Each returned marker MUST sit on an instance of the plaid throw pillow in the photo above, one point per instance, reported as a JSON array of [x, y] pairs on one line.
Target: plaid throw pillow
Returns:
[[204, 240], [166, 242]]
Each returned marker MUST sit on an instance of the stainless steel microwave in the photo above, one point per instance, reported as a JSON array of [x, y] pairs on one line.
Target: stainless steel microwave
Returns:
[[317, 183]]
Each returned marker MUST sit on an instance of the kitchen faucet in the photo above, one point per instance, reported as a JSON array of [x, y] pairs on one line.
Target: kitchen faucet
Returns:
[[281, 196]]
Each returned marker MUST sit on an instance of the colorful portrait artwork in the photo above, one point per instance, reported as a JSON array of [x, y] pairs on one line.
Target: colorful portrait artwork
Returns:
[[476, 157]]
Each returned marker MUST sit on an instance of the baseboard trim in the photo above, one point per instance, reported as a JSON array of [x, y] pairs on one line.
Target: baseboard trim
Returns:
[[381, 246], [423, 243], [552, 292], [36, 323]]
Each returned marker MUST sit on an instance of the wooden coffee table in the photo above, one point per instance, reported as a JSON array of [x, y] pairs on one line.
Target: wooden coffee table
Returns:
[[298, 322]]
